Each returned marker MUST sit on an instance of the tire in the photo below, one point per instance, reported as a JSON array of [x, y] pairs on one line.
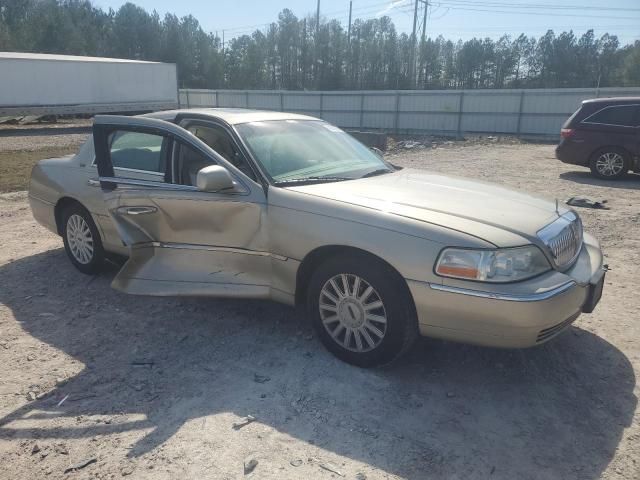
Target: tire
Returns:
[[82, 240], [361, 314], [609, 163]]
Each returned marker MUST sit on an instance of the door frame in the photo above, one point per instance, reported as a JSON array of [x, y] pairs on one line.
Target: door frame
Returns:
[[104, 125]]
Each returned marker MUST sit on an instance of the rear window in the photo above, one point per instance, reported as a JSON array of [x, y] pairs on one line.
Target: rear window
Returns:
[[570, 120], [623, 115]]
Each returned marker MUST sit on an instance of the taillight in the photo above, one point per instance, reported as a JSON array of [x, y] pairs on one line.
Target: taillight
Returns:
[[567, 132]]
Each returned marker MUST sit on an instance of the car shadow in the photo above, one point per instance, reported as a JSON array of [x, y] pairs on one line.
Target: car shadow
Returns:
[[154, 364], [630, 182]]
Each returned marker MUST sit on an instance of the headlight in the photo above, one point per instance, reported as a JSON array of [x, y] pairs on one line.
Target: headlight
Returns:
[[500, 265]]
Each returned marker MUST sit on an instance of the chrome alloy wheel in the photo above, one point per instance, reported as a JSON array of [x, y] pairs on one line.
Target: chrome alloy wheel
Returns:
[[353, 313], [609, 164], [80, 239]]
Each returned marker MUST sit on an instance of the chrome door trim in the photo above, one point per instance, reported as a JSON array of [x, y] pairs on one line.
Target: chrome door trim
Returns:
[[210, 248], [148, 183], [531, 297], [137, 170]]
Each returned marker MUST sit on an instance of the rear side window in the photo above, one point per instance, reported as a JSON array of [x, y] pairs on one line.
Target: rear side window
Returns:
[[623, 115], [137, 151], [570, 120]]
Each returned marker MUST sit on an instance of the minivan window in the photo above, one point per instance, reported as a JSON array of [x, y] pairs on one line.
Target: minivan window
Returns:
[[623, 115]]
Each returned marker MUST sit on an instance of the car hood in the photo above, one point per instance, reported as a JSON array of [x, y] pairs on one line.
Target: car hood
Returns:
[[496, 214]]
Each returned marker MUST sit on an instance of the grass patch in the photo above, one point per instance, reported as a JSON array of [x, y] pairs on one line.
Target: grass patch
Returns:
[[15, 167]]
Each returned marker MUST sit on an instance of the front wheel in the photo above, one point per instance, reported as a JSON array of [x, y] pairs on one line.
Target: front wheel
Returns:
[[82, 240], [361, 311], [609, 164]]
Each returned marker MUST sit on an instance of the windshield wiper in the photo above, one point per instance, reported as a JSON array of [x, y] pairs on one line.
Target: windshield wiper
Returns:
[[303, 180], [374, 173]]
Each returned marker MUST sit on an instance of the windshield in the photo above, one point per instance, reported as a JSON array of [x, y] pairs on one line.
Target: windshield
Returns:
[[295, 151]]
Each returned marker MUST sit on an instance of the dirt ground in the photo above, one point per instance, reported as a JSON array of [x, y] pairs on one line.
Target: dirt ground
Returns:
[[151, 387]]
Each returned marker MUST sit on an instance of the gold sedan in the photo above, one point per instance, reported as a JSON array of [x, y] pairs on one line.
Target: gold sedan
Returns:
[[251, 204]]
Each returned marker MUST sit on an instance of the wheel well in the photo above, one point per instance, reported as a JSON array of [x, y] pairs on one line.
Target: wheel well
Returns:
[[314, 258], [60, 207], [612, 147]]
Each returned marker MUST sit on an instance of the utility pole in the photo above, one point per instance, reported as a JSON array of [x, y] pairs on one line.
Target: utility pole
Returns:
[[223, 62], [424, 28], [424, 20], [412, 64], [349, 30], [315, 46]]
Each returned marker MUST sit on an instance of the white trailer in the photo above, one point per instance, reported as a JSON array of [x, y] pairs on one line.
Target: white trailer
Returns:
[[39, 84]]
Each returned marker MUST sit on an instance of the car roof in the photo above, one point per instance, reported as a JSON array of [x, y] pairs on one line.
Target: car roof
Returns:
[[232, 116], [612, 101]]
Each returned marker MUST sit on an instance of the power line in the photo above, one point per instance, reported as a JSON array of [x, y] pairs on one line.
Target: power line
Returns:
[[574, 15], [546, 6], [371, 10], [452, 6]]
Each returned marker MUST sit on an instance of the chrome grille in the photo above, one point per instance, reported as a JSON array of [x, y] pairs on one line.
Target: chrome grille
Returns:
[[564, 238]]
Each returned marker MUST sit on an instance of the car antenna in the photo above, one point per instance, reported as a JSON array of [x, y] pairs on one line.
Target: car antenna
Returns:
[[557, 212]]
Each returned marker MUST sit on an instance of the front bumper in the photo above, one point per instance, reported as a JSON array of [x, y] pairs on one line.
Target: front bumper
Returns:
[[521, 314]]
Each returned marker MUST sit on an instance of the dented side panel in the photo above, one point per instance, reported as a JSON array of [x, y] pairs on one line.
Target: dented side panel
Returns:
[[191, 243]]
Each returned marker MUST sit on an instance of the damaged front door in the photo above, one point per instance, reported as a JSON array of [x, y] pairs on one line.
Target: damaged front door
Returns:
[[186, 236]]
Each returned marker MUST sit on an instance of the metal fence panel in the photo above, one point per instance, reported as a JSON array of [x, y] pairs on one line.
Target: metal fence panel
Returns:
[[301, 101], [344, 119], [481, 123], [378, 121], [440, 122], [265, 101], [475, 102], [443, 102], [538, 112], [379, 102], [341, 102]]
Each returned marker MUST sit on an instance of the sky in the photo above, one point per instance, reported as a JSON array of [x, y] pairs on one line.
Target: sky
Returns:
[[452, 18]]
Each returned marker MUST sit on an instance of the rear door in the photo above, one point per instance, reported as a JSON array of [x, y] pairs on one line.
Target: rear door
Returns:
[[181, 241]]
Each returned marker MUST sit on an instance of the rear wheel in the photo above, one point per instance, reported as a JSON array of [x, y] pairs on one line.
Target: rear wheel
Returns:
[[82, 240], [609, 163], [361, 311]]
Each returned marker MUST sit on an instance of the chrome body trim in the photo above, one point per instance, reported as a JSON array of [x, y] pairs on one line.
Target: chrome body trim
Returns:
[[136, 170], [530, 297], [148, 183], [210, 248]]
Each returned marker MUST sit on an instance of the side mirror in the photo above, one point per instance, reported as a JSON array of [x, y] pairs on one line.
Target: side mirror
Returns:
[[377, 151], [214, 178]]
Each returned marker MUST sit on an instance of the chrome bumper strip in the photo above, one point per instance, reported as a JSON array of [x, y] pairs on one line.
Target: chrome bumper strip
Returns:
[[531, 297]]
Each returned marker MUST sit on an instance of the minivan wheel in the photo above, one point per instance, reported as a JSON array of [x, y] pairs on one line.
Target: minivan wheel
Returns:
[[360, 312], [609, 164], [82, 240]]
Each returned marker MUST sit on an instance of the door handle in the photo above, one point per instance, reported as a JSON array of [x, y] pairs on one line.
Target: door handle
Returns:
[[92, 182], [136, 210]]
